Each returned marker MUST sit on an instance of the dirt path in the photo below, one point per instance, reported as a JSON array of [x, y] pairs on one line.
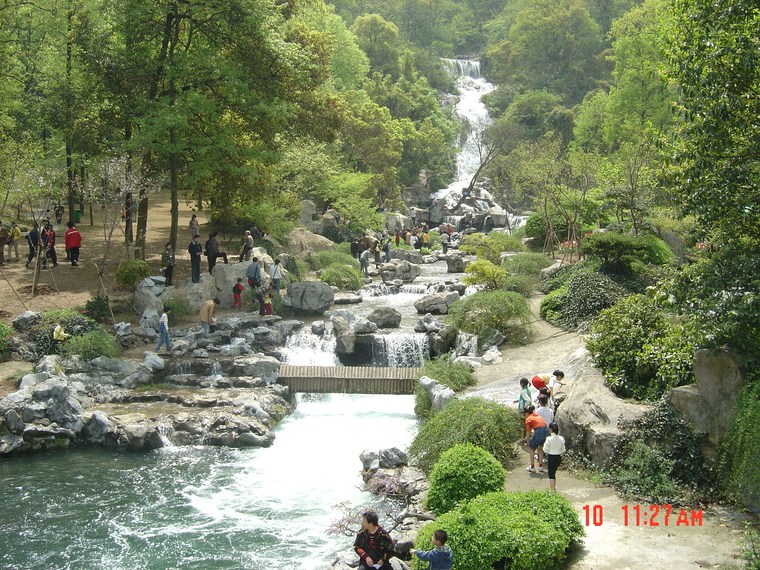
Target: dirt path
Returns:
[[611, 545]]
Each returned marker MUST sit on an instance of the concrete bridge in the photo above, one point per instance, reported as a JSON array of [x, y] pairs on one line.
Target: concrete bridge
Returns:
[[349, 379]]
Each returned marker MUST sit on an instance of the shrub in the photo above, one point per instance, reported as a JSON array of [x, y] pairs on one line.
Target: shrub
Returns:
[[535, 228], [587, 295], [41, 334], [521, 284], [181, 311], [343, 247], [551, 306], [344, 277], [483, 272], [91, 345], [739, 467], [490, 247], [131, 272], [455, 375], [98, 308], [323, 259], [296, 268], [6, 333], [529, 264], [561, 276], [486, 424], [655, 251], [617, 252], [489, 312], [423, 407], [280, 308], [463, 472], [524, 530]]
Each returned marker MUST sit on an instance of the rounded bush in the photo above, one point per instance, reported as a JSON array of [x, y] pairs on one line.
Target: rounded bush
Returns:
[[520, 284], [480, 422], [561, 276], [131, 272], [529, 264], [463, 472], [97, 308], [587, 295], [344, 277], [483, 272], [324, 259], [521, 531], [91, 345], [551, 306], [180, 313], [489, 312], [490, 247]]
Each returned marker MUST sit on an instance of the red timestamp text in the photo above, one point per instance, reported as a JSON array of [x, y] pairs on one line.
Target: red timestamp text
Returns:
[[646, 515]]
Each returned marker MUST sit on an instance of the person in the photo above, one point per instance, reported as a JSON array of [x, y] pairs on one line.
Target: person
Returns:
[[167, 263], [373, 545], [364, 262], [440, 557], [387, 250], [548, 380], [163, 331], [261, 290], [237, 292], [206, 315], [554, 447], [50, 243], [356, 249], [376, 252], [535, 435], [123, 214], [5, 237], [267, 298], [15, 232], [398, 238], [525, 397], [219, 252], [426, 239], [275, 272], [72, 241], [544, 410], [445, 239], [413, 240], [195, 249], [194, 225], [32, 238], [245, 251], [59, 334], [253, 273], [210, 250]]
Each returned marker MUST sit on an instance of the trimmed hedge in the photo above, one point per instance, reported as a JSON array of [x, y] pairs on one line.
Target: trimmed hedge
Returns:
[[489, 312], [529, 264], [587, 295], [462, 473]]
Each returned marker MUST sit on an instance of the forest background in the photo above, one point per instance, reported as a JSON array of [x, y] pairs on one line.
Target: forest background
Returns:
[[636, 116]]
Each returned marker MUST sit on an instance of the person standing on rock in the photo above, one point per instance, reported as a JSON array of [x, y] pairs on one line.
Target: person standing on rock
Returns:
[[167, 263], [275, 272], [445, 239], [373, 544], [253, 273], [72, 241], [195, 249], [554, 447], [206, 315], [535, 435], [245, 251], [163, 331], [525, 398]]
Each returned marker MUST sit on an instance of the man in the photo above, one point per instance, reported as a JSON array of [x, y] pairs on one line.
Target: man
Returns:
[[245, 252], [445, 242], [163, 331], [364, 262], [33, 239], [195, 249], [50, 238], [253, 273], [373, 545], [206, 315], [16, 237], [72, 241]]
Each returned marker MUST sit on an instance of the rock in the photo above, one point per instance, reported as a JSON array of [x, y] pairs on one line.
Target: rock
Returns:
[[153, 361], [250, 439], [122, 329], [370, 460], [225, 277], [149, 319], [443, 341], [96, 426], [408, 255], [303, 242], [147, 283], [359, 325], [308, 212], [492, 356], [158, 279], [13, 422], [438, 394], [345, 338], [194, 294], [33, 411], [392, 457], [50, 364], [428, 324], [147, 299], [396, 270], [436, 303], [455, 263], [265, 367], [313, 297], [25, 320], [115, 365], [33, 379], [385, 317], [53, 388], [347, 298], [318, 328], [200, 353]]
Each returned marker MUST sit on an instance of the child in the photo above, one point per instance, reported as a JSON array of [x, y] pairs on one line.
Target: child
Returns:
[[536, 432], [441, 557], [268, 302], [237, 291], [525, 398]]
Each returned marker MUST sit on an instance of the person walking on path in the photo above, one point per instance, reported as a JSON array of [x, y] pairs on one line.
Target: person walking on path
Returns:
[[275, 272], [206, 315], [535, 435], [364, 262], [33, 239], [167, 263], [237, 292], [72, 241], [50, 239], [15, 235], [554, 447], [445, 239], [195, 249], [373, 544], [163, 331], [194, 225], [440, 557]]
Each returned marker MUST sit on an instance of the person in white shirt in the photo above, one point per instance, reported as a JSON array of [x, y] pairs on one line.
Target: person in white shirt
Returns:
[[163, 331], [544, 410], [275, 272], [554, 447]]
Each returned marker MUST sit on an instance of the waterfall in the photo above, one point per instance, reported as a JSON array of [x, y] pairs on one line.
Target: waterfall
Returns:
[[462, 67], [414, 288], [163, 433], [377, 290], [305, 348], [400, 350]]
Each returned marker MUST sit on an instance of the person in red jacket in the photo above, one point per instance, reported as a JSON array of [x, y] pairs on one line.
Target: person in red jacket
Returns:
[[72, 240]]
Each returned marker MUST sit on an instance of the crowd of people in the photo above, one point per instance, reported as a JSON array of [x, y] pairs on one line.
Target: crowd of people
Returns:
[[41, 239]]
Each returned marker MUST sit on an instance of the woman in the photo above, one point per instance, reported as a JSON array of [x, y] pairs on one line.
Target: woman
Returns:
[[167, 263], [554, 447], [195, 227], [535, 435]]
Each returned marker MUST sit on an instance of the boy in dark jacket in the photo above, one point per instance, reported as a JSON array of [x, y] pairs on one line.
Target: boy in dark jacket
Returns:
[[441, 557]]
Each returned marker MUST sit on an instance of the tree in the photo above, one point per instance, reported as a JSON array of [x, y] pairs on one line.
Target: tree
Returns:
[[379, 39], [715, 59]]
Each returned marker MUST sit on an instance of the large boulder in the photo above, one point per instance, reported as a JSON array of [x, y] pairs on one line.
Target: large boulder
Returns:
[[436, 303], [385, 317], [308, 212], [303, 242], [358, 324], [310, 297], [455, 263], [345, 337], [410, 255], [145, 298], [257, 365], [438, 394], [225, 276], [442, 341], [26, 320], [194, 294], [399, 270]]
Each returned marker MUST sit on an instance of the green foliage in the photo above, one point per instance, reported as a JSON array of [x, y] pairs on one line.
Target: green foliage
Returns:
[[529, 264], [493, 312], [423, 407], [522, 531], [463, 472], [344, 277], [98, 308], [131, 272], [180, 311], [91, 345], [40, 335], [6, 334], [280, 308], [561, 276], [751, 549], [455, 375], [587, 295], [483, 272], [491, 246], [616, 252], [295, 267], [551, 306], [323, 259], [486, 424], [521, 284], [659, 460]]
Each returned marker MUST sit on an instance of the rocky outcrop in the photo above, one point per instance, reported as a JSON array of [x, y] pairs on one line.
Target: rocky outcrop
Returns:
[[410, 255], [303, 242], [346, 326], [310, 297], [436, 303], [709, 405], [438, 394], [404, 271], [455, 263], [385, 317]]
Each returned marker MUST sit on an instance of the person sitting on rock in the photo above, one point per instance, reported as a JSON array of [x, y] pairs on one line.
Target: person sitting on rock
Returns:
[[373, 544]]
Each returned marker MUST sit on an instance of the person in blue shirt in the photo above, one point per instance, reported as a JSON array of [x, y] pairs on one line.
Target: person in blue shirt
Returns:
[[441, 557]]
